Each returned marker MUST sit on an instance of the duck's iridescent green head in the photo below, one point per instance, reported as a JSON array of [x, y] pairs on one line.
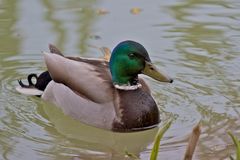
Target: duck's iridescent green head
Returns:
[[129, 59]]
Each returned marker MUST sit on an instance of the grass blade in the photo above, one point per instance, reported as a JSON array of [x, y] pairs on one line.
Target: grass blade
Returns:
[[237, 144], [157, 140], [192, 143]]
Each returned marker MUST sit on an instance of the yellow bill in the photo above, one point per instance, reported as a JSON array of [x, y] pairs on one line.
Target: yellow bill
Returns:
[[152, 71]]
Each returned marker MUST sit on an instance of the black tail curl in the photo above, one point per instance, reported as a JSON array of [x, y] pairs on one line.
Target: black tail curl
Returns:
[[41, 81], [30, 83], [44, 78]]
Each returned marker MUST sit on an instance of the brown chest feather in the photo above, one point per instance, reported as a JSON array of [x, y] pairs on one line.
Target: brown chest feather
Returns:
[[138, 111]]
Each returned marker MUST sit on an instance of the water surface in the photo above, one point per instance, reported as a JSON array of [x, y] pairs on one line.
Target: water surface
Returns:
[[196, 42]]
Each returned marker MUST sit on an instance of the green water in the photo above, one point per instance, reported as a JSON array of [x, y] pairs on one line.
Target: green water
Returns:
[[195, 42]]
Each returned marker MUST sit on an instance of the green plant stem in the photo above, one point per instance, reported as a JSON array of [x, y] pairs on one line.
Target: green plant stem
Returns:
[[157, 140], [237, 144]]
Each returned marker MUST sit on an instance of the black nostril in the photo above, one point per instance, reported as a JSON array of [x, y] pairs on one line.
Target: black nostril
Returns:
[[171, 81]]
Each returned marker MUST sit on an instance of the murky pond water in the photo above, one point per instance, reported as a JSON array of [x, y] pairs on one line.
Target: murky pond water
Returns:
[[196, 42]]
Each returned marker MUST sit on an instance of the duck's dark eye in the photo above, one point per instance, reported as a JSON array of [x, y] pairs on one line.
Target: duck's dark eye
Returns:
[[131, 55]]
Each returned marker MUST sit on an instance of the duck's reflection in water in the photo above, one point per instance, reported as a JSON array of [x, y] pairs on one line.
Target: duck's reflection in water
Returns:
[[87, 142]]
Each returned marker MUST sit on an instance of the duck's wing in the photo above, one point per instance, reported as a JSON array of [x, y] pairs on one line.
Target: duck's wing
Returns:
[[55, 50], [87, 77]]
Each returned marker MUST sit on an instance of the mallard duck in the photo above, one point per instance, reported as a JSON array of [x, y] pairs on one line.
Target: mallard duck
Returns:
[[108, 95]]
